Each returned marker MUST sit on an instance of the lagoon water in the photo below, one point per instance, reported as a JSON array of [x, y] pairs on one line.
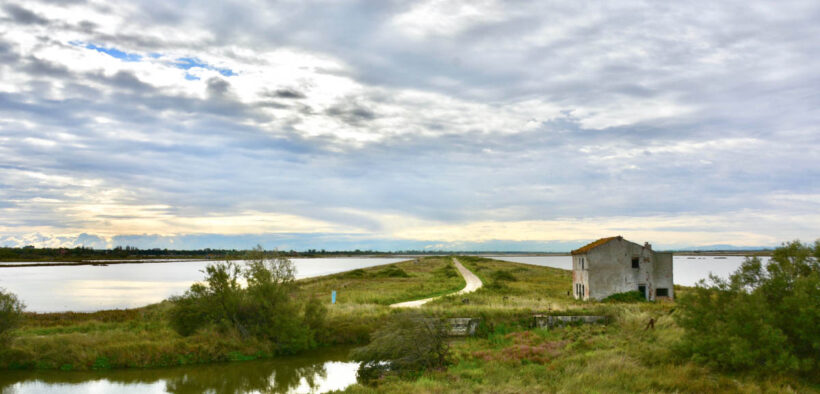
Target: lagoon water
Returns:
[[314, 372], [86, 288], [89, 288]]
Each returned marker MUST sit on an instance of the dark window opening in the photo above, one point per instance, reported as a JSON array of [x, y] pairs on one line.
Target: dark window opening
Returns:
[[662, 292], [642, 290], [635, 262]]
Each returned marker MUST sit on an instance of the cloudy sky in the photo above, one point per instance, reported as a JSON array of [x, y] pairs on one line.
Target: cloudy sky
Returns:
[[494, 125]]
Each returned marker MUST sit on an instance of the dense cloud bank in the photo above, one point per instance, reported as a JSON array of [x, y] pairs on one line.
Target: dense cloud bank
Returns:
[[410, 123]]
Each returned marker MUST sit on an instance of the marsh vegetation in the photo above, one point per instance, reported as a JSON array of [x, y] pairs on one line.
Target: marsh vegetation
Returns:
[[506, 355]]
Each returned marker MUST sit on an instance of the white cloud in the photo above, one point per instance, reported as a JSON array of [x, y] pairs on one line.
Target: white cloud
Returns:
[[436, 121], [447, 17]]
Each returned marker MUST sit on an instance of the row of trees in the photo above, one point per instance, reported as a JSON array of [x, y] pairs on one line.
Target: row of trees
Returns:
[[30, 253]]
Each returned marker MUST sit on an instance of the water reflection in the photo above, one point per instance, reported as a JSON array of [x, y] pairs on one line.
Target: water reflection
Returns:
[[316, 372]]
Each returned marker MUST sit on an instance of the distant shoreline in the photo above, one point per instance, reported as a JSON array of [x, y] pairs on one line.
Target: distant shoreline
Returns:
[[17, 263]]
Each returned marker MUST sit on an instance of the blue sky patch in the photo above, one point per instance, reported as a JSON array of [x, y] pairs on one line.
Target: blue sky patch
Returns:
[[114, 52], [191, 77], [186, 63]]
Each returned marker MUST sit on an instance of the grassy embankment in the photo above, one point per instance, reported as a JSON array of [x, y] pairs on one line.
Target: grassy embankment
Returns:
[[619, 357], [509, 356], [143, 337]]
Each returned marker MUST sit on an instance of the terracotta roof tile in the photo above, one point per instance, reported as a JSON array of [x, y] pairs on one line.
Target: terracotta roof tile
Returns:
[[593, 245]]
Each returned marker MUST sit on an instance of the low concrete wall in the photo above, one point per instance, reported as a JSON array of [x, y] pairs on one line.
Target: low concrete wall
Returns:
[[462, 326], [545, 321]]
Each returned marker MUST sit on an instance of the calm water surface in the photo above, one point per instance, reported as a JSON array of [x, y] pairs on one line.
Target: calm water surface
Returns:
[[87, 288], [315, 372], [687, 270]]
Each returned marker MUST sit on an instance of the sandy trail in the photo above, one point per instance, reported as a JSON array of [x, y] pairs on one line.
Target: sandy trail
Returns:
[[473, 284]]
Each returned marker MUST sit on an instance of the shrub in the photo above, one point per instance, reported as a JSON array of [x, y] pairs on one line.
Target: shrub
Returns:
[[315, 314], [446, 271], [355, 274], [498, 280], [628, 296], [760, 319], [391, 272], [264, 309], [410, 342], [191, 311], [502, 275], [11, 312]]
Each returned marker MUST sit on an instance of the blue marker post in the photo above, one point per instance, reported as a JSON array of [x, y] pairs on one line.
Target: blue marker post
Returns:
[[333, 297]]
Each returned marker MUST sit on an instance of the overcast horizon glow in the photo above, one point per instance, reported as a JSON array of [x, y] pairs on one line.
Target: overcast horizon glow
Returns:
[[463, 125]]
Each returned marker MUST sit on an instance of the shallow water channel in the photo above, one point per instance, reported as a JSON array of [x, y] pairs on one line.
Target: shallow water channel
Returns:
[[315, 372]]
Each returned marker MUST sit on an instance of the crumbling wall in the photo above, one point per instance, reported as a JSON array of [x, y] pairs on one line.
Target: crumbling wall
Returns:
[[610, 269], [545, 321], [462, 326], [664, 274]]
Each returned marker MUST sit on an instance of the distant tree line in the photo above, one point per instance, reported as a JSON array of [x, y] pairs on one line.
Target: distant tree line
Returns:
[[31, 253]]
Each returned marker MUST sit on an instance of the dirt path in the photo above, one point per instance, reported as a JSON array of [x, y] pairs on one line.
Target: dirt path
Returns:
[[473, 284]]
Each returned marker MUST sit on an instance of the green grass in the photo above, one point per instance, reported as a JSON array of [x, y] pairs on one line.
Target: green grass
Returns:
[[142, 337], [616, 358], [621, 357], [385, 285]]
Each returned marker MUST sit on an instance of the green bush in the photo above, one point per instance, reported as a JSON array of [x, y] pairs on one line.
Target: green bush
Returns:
[[628, 296], [11, 312], [191, 311], [355, 274], [502, 275], [446, 271], [314, 316], [391, 272], [761, 319], [409, 343], [265, 309]]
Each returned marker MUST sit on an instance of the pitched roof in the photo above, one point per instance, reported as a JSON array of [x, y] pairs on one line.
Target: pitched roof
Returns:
[[593, 245]]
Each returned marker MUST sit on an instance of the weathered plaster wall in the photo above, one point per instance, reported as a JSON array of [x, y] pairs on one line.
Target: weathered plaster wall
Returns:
[[608, 270], [663, 273], [580, 275]]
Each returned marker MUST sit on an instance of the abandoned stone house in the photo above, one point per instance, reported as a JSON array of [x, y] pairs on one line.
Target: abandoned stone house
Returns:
[[614, 265]]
